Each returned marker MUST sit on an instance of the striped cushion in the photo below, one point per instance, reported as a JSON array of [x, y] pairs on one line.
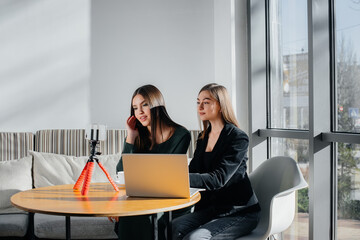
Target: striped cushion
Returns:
[[62, 141], [72, 142], [114, 142], [15, 145]]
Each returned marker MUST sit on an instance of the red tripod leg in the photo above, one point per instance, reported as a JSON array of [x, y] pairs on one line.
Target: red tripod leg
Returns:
[[81, 177], [86, 185], [108, 176], [114, 197]]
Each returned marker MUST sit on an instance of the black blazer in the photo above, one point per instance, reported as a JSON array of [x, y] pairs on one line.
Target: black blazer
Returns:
[[224, 178]]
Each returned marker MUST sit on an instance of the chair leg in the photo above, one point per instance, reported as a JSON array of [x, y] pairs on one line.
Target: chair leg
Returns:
[[276, 236], [272, 237]]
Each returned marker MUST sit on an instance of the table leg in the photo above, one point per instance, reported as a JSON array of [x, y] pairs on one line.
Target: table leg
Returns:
[[67, 227], [154, 219], [169, 225], [31, 226]]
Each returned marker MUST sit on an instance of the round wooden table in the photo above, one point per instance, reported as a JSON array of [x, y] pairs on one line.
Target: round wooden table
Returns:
[[101, 200]]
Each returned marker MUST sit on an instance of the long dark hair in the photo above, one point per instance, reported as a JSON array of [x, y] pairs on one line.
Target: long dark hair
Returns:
[[159, 117]]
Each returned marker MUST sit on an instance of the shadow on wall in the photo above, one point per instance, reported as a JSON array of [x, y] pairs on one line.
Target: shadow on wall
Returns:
[[44, 64]]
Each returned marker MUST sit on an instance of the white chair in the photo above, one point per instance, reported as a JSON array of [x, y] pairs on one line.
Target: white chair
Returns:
[[275, 182]]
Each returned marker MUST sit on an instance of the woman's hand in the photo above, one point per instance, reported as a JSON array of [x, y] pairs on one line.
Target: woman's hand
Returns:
[[113, 219], [132, 132]]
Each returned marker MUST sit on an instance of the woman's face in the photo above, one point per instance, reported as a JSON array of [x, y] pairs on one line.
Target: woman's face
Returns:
[[208, 108], [141, 110]]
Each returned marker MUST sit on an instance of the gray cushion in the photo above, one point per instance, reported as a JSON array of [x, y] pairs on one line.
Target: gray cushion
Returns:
[[50, 226], [13, 225]]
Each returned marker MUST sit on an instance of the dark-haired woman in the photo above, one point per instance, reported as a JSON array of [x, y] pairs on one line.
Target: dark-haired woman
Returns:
[[149, 130]]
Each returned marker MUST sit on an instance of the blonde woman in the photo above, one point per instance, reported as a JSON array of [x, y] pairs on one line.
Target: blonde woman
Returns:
[[149, 130], [228, 208]]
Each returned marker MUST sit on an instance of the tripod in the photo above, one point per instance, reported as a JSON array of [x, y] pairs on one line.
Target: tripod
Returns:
[[86, 174]]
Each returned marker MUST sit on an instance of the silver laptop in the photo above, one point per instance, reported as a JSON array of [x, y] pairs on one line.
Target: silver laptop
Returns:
[[157, 175]]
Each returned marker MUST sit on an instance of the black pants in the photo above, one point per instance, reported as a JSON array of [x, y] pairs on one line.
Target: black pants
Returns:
[[140, 227], [206, 224]]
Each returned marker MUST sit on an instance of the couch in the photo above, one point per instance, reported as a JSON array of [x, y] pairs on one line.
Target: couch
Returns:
[[53, 157]]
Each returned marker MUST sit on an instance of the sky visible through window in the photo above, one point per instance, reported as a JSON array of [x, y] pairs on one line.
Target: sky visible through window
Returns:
[[348, 23]]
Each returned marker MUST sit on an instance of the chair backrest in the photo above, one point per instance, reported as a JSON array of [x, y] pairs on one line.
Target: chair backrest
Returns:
[[275, 182], [15, 145], [72, 142]]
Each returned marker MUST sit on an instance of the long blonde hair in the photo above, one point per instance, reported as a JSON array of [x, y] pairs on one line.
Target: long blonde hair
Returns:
[[220, 94]]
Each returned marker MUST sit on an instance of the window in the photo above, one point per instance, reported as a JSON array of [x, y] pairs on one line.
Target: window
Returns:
[[309, 71], [347, 117], [348, 191], [347, 65], [289, 93], [289, 85]]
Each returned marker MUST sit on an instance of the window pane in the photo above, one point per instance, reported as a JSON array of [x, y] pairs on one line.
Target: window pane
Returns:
[[298, 150], [348, 172], [289, 64], [347, 65]]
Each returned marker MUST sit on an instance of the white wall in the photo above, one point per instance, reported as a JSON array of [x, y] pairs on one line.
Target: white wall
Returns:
[[44, 64], [169, 44], [223, 42], [240, 84], [231, 56], [65, 64]]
